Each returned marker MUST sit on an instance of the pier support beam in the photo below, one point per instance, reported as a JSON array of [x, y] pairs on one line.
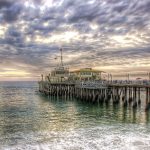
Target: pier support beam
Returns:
[[134, 97], [147, 99]]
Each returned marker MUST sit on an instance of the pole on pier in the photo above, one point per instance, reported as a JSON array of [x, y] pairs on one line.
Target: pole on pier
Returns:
[[130, 95], [108, 77], [147, 99], [146, 96], [61, 57], [149, 95], [128, 77], [139, 99], [111, 77], [125, 102], [134, 97], [42, 76]]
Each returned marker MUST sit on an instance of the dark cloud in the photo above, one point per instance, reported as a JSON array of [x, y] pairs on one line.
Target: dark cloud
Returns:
[[10, 10], [84, 11], [143, 6], [12, 13], [38, 2], [5, 4], [13, 37]]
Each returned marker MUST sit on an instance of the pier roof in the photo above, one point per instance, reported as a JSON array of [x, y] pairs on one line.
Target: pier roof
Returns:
[[86, 70]]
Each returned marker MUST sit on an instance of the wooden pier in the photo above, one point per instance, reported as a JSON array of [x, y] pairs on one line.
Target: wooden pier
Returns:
[[128, 94]]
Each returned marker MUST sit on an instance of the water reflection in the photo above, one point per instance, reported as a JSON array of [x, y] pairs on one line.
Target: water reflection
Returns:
[[97, 111]]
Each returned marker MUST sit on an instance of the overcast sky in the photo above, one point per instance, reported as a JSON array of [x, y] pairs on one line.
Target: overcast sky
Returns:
[[110, 35]]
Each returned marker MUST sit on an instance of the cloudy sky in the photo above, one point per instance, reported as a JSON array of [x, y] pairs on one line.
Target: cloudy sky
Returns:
[[110, 35]]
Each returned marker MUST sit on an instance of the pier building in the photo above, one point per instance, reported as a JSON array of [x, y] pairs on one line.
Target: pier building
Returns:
[[86, 74]]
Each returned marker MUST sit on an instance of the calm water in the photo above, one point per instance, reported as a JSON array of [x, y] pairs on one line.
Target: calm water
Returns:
[[30, 121]]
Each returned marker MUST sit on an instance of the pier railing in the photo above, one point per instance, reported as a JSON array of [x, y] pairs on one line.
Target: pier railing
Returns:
[[91, 84], [98, 84]]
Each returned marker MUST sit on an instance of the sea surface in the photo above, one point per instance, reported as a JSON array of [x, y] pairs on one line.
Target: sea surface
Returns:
[[31, 121]]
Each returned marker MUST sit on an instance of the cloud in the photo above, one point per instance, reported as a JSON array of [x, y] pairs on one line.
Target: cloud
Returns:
[[10, 10], [8, 3], [106, 34]]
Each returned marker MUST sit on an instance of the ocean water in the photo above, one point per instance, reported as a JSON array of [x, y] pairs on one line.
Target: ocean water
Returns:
[[31, 121]]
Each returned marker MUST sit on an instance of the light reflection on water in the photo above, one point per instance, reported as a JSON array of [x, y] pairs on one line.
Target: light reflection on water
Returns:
[[29, 120]]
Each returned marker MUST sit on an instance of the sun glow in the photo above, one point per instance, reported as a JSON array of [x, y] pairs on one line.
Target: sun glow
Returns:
[[2, 30], [62, 37], [48, 2], [14, 72], [126, 40], [45, 24], [27, 39], [120, 39], [93, 26]]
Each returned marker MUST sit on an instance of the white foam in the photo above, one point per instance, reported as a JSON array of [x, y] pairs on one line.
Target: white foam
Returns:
[[96, 138]]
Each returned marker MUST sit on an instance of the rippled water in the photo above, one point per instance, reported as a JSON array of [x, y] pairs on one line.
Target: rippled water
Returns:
[[30, 121]]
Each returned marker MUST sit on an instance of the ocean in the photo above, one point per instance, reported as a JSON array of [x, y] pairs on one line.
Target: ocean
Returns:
[[31, 121]]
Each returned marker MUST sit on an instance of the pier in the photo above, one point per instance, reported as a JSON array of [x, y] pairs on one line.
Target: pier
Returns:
[[126, 94], [90, 85]]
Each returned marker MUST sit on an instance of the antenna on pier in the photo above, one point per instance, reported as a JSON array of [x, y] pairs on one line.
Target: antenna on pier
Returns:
[[61, 57]]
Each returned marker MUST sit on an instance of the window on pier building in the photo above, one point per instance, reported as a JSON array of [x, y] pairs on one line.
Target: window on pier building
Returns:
[[61, 72], [85, 73]]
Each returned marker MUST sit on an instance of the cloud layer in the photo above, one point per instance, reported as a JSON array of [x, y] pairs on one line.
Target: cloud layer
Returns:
[[112, 35]]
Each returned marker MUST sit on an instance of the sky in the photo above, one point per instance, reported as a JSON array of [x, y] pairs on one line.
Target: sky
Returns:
[[109, 35]]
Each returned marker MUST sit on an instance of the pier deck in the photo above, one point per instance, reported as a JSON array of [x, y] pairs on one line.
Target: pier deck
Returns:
[[129, 94]]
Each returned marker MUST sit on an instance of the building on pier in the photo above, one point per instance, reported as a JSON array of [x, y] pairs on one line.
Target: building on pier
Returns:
[[62, 73], [59, 74], [86, 74]]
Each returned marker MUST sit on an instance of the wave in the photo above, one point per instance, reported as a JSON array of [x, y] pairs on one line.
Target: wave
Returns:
[[131, 137]]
